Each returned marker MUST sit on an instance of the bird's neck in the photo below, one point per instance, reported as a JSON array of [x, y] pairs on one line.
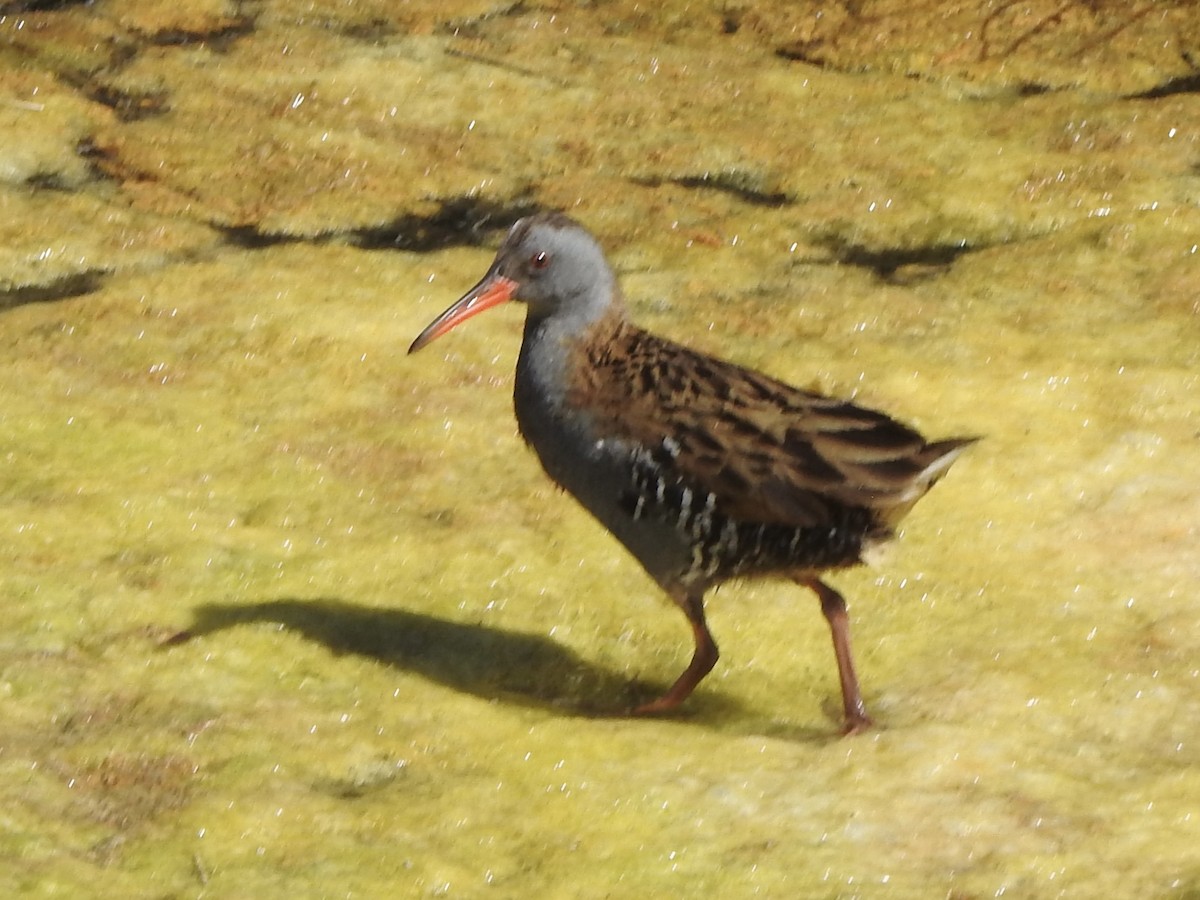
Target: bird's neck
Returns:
[[550, 352], [551, 342]]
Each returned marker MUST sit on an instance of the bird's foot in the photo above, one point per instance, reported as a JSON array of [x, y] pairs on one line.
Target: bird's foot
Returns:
[[856, 724], [661, 706]]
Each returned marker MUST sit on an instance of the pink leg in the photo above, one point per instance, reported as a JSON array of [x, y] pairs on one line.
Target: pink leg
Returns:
[[703, 658], [834, 608]]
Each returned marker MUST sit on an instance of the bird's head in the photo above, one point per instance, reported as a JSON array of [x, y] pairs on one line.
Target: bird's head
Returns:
[[550, 263]]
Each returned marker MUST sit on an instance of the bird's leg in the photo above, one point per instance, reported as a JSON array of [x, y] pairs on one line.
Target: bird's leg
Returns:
[[834, 608], [703, 658]]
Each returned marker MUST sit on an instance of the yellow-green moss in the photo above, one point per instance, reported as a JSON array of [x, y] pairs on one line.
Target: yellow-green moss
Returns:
[[288, 613]]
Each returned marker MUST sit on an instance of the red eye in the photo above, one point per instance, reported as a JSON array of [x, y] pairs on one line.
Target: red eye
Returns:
[[539, 260]]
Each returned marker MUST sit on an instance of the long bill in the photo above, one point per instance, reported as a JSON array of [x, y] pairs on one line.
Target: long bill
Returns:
[[491, 291]]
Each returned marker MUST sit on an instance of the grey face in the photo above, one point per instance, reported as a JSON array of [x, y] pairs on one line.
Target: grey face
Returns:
[[548, 262], [558, 267]]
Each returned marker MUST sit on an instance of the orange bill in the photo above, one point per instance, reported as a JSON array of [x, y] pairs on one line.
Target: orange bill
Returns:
[[491, 291]]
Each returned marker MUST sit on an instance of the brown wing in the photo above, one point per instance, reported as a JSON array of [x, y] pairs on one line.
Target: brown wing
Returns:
[[768, 451]]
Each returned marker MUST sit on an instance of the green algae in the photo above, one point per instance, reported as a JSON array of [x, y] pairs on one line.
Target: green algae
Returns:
[[290, 613]]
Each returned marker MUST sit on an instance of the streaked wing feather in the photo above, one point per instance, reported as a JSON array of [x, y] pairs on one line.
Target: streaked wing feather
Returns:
[[769, 452]]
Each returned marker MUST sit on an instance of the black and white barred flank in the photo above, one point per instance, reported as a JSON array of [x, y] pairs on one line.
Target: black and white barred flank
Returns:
[[724, 547]]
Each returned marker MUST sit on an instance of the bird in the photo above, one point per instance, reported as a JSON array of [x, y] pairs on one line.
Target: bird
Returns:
[[704, 470]]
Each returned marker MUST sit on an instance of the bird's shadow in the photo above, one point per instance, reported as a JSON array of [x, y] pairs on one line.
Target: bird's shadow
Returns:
[[488, 662]]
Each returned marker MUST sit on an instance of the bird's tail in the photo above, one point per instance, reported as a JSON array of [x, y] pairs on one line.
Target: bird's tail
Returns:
[[937, 457]]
